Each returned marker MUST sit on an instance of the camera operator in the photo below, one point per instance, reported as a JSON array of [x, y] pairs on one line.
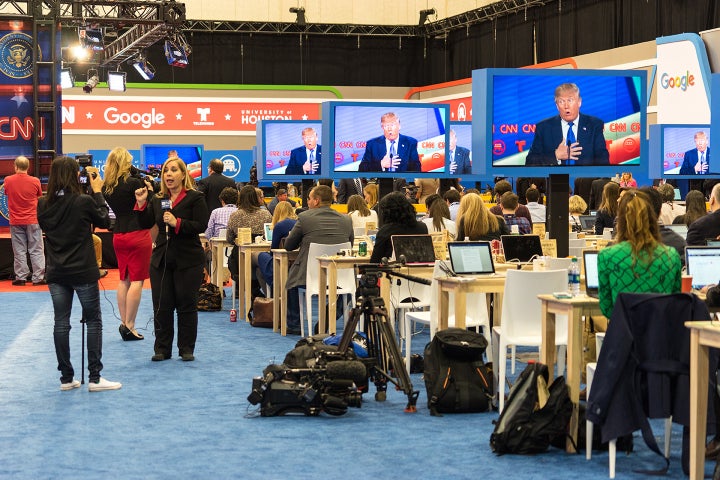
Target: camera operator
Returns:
[[66, 215], [132, 242]]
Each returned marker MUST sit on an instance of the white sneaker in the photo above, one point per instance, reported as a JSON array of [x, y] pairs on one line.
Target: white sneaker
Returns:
[[103, 384], [70, 385]]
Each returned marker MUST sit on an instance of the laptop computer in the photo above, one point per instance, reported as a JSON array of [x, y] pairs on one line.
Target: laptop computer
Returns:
[[680, 229], [521, 248], [267, 231], [587, 222], [590, 258], [471, 258], [703, 263], [417, 249]]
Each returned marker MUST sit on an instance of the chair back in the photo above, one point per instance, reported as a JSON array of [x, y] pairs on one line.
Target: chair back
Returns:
[[346, 276], [521, 307]]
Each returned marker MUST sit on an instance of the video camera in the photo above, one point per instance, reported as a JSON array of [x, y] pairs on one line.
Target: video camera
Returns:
[[85, 160], [152, 175], [330, 386]]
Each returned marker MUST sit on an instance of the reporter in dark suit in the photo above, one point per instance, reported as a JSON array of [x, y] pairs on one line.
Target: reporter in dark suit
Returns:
[[553, 145], [319, 224], [177, 261], [460, 162], [305, 160], [697, 160], [377, 156]]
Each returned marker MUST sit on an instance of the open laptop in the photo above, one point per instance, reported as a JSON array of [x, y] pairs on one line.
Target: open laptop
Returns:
[[417, 249], [521, 248], [471, 258], [587, 222], [703, 263], [590, 258], [680, 229], [267, 231]]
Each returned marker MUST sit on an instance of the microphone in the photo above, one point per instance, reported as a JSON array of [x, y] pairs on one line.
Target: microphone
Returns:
[[402, 260], [384, 261], [347, 369], [166, 205]]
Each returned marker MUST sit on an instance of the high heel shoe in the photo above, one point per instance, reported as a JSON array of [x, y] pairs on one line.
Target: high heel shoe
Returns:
[[123, 331], [134, 335]]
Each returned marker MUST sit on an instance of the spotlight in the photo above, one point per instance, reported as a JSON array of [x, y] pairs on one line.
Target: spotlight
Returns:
[[116, 81], [66, 78], [424, 15], [175, 54], [300, 11], [92, 80], [143, 67]]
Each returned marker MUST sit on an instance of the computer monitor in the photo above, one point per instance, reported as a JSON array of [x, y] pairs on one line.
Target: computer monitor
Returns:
[[471, 258], [703, 263], [417, 249], [521, 248], [592, 281]]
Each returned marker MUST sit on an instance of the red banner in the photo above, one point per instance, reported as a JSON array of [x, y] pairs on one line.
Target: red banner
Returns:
[[192, 117]]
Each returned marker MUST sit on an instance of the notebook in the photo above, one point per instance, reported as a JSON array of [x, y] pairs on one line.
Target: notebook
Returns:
[[417, 249], [521, 248], [703, 263], [587, 222], [680, 229], [471, 258], [590, 267]]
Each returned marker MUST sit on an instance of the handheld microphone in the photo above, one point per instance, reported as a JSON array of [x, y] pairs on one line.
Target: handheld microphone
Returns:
[[166, 205]]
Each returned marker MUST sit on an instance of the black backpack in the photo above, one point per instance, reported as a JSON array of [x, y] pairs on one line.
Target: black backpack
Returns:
[[524, 427], [456, 378]]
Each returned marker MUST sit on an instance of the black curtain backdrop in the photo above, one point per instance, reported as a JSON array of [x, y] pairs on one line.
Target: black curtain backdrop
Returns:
[[558, 29]]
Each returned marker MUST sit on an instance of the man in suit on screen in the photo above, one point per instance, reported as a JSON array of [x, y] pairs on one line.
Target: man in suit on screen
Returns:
[[305, 160], [697, 160], [460, 162], [390, 152], [569, 138]]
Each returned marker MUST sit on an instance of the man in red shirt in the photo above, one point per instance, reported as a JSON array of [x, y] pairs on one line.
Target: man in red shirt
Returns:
[[22, 192]]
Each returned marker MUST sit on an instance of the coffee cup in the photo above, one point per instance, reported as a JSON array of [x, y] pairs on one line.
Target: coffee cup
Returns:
[[686, 283]]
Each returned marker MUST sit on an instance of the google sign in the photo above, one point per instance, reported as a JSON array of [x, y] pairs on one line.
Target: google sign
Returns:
[[681, 82]]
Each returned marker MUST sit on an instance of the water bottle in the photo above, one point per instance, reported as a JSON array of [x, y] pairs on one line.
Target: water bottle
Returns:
[[574, 278]]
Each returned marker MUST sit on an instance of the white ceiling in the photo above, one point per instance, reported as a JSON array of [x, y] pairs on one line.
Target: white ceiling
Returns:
[[362, 12]]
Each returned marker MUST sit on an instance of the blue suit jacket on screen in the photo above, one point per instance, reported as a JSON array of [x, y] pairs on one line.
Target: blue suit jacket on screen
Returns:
[[548, 135], [298, 156], [690, 160], [462, 158], [375, 150]]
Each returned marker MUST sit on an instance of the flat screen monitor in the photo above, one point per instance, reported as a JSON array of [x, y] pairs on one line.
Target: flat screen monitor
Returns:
[[703, 263], [592, 279], [154, 156], [681, 229], [360, 136], [521, 248], [471, 258], [681, 151], [290, 150], [460, 149], [417, 249], [517, 126]]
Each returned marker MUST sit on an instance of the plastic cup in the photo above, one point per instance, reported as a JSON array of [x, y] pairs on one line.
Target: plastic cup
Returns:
[[686, 283]]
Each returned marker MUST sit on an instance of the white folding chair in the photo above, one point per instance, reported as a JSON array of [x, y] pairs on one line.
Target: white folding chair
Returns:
[[521, 317], [345, 277], [477, 315]]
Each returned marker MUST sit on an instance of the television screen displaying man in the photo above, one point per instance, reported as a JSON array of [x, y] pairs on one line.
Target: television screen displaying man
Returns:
[[390, 152], [305, 160], [460, 161], [569, 138], [697, 160]]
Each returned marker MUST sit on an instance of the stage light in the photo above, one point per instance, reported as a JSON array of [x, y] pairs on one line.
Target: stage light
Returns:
[[116, 81], [175, 54], [66, 78], [300, 12], [143, 67], [80, 53], [92, 80], [424, 15]]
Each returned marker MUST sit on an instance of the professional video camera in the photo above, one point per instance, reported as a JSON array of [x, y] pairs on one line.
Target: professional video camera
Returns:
[[85, 160], [330, 386], [151, 175]]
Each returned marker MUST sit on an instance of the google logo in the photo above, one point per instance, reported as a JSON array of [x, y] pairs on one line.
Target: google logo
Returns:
[[687, 80]]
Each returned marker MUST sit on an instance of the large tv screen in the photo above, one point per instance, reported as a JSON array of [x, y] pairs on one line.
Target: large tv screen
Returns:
[[155, 155], [460, 149], [379, 139], [521, 121], [290, 150], [681, 151]]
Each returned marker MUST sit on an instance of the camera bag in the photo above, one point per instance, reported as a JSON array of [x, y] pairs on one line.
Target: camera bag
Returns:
[[456, 378]]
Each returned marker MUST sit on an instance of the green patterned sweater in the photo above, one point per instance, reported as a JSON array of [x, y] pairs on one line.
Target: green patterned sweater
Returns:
[[659, 274]]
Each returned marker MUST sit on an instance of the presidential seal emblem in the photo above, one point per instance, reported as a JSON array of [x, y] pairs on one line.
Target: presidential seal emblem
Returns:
[[16, 55]]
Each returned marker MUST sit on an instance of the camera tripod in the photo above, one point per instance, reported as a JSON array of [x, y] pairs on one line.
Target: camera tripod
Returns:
[[382, 345]]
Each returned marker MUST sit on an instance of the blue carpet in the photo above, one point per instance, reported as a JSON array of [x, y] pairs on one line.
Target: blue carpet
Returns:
[[175, 419]]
